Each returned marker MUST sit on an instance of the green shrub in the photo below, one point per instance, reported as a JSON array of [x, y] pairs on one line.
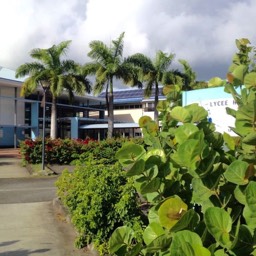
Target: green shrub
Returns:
[[104, 151], [99, 198], [64, 151]]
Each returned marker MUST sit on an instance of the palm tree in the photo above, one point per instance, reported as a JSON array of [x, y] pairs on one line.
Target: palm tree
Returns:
[[188, 75], [108, 64], [57, 74], [154, 72]]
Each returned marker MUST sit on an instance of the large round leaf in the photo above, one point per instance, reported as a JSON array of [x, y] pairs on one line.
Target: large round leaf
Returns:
[[187, 243], [239, 72], [136, 169], [250, 139], [129, 153], [152, 231], [152, 128], [197, 112], [215, 81], [120, 238], [250, 80], [250, 195], [219, 224], [170, 211], [184, 131], [188, 221], [229, 140], [181, 114], [236, 172], [143, 121]]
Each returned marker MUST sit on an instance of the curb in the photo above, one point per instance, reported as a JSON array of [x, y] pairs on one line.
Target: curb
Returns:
[[61, 211], [63, 215]]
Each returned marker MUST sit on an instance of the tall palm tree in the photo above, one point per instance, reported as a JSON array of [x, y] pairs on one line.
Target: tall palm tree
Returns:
[[108, 64], [154, 72], [57, 74]]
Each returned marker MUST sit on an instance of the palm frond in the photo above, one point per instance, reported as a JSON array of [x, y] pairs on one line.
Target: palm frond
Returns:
[[98, 88], [163, 61], [100, 52], [29, 86], [29, 69], [142, 61], [62, 47], [148, 89], [118, 45], [90, 68]]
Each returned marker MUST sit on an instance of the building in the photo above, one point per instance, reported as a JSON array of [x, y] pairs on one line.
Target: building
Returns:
[[129, 105], [86, 117], [22, 117]]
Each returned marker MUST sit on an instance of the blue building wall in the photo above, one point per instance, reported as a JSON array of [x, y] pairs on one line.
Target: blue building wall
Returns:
[[7, 135]]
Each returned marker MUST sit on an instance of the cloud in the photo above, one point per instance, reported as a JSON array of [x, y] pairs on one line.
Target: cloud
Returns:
[[202, 32]]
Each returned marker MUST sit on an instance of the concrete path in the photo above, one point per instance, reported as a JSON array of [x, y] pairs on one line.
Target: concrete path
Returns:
[[37, 228]]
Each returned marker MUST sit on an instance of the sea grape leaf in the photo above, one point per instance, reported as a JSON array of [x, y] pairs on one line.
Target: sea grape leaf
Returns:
[[229, 140], [187, 243], [200, 192], [130, 153], [250, 139], [197, 112], [184, 131], [250, 80], [215, 81], [121, 237], [219, 224], [151, 186], [188, 221], [144, 120], [170, 211], [250, 195], [152, 231], [236, 172], [181, 114], [137, 168]]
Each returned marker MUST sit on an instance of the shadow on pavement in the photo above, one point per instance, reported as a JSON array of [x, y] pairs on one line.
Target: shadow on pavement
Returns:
[[8, 243], [23, 252]]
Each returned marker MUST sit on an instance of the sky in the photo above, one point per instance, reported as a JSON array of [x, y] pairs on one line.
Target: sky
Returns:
[[203, 32]]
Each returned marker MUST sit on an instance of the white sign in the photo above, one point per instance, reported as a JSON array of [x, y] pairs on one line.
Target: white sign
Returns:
[[215, 101], [217, 113]]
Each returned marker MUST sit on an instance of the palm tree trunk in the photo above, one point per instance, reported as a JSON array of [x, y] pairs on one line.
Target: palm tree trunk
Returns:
[[156, 103], [110, 110], [53, 134]]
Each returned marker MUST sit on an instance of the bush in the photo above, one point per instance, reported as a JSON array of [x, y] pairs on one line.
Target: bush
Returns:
[[64, 151], [57, 151], [99, 198]]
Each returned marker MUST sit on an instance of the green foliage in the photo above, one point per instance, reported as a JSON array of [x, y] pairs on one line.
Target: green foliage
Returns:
[[200, 197], [66, 151], [97, 210], [99, 197]]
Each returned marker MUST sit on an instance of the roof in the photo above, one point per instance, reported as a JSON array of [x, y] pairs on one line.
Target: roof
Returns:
[[105, 126], [132, 95], [9, 74]]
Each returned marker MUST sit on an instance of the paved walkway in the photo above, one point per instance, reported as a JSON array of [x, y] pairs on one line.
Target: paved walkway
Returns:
[[32, 228]]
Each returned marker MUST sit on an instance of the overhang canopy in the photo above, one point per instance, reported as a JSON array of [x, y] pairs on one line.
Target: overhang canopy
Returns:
[[105, 126]]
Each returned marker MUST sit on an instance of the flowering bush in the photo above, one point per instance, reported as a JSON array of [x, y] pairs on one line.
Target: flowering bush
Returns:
[[64, 151], [57, 151]]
